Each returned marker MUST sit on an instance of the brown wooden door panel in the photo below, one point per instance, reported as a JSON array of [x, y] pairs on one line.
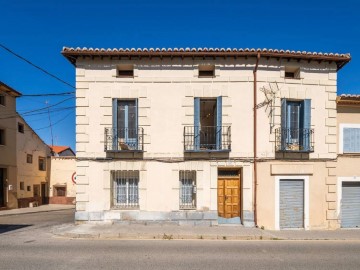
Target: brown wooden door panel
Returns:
[[229, 197], [221, 198]]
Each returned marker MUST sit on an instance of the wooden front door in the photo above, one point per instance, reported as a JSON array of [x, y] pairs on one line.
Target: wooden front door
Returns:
[[229, 194]]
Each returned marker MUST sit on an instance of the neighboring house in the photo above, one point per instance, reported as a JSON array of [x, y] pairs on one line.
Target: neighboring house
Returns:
[[63, 175], [33, 166], [61, 151], [8, 161], [348, 169], [207, 136], [24, 157]]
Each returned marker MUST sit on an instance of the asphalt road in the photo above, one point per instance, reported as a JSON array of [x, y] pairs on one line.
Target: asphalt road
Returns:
[[34, 247]]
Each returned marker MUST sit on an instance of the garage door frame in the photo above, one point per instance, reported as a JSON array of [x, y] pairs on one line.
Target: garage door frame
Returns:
[[306, 198], [339, 190]]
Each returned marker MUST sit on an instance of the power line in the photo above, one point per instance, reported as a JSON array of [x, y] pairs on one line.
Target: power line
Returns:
[[42, 127], [32, 64], [49, 94], [11, 115], [62, 119], [39, 113], [41, 109]]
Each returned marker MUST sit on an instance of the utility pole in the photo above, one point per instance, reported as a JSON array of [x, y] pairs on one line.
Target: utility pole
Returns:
[[52, 138]]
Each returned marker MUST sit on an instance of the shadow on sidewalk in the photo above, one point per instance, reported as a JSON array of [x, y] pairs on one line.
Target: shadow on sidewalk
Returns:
[[4, 228]]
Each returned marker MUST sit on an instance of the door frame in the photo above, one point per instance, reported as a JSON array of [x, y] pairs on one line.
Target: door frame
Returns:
[[240, 188], [4, 186], [44, 197], [340, 181], [306, 198]]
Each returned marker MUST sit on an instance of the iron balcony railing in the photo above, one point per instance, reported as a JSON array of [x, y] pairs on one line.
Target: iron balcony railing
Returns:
[[294, 140], [207, 138], [124, 139]]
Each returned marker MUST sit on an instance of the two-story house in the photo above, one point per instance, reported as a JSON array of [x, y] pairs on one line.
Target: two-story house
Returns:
[[8, 169], [33, 166], [24, 157], [348, 169], [206, 136]]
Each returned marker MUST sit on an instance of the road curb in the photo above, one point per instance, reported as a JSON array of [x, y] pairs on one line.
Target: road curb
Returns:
[[33, 212], [164, 236], [157, 236]]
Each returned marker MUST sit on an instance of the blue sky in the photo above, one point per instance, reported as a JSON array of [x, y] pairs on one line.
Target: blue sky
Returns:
[[37, 30]]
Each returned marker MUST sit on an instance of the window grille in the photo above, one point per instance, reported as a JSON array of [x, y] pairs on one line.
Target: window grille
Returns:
[[126, 189], [187, 189]]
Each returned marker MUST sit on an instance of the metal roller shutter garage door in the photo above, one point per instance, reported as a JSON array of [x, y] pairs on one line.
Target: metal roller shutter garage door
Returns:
[[350, 205], [291, 204]]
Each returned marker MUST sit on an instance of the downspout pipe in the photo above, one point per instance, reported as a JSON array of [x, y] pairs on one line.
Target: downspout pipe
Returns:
[[255, 138]]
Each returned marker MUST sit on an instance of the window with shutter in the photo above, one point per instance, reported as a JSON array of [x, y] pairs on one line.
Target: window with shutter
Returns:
[[125, 125], [351, 140], [295, 132]]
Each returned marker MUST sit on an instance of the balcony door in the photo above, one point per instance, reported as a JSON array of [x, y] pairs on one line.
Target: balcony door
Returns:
[[293, 122], [295, 125], [207, 123], [125, 125]]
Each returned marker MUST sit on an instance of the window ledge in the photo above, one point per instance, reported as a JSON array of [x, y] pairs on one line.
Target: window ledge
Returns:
[[124, 151], [295, 151], [207, 151], [125, 208]]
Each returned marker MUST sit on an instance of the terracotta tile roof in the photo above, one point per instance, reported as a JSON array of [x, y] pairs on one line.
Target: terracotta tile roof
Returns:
[[350, 96], [58, 149], [71, 53], [348, 99]]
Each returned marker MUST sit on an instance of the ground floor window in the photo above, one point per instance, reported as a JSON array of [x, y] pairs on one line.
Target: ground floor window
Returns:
[[125, 189], [59, 191], [187, 194]]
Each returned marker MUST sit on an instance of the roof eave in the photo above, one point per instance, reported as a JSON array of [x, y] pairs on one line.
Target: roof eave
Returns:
[[72, 55], [10, 90]]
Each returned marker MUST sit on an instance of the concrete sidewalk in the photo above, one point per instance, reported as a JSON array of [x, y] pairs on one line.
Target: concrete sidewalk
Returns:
[[169, 232], [41, 208]]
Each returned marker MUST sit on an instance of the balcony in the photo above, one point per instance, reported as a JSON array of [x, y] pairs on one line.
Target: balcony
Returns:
[[294, 140], [124, 140], [207, 139]]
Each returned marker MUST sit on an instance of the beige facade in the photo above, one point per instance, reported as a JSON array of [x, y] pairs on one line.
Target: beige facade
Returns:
[[63, 180], [8, 128], [348, 170], [33, 166], [22, 179], [166, 87]]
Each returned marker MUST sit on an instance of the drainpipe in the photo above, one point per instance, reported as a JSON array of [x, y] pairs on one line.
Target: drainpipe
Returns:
[[255, 136]]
